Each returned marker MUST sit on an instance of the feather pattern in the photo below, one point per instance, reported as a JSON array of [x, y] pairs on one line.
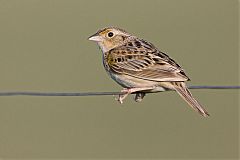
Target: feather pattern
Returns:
[[140, 59]]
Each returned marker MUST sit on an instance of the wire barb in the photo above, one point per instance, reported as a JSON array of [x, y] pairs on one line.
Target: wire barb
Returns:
[[28, 93]]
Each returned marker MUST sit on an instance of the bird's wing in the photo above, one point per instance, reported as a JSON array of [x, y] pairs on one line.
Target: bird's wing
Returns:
[[140, 59]]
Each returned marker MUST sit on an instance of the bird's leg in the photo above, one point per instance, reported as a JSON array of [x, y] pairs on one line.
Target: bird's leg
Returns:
[[127, 91], [139, 96]]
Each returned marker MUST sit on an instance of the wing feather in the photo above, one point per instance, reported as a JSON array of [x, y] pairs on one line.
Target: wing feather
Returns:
[[142, 60]]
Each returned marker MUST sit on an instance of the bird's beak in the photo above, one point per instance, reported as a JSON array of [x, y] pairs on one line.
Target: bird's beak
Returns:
[[95, 38]]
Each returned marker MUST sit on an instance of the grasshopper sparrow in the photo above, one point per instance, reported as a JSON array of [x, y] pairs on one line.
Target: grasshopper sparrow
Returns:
[[140, 67]]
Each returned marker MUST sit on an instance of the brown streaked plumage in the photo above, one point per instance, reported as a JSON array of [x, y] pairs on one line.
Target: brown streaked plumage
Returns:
[[140, 67]]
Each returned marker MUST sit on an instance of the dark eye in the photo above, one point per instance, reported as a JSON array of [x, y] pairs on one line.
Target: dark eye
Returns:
[[110, 34]]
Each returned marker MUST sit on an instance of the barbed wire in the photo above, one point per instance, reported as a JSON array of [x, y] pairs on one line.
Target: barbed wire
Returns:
[[31, 93]]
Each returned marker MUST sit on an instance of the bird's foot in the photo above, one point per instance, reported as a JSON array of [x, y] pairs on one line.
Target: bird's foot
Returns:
[[139, 96], [126, 91]]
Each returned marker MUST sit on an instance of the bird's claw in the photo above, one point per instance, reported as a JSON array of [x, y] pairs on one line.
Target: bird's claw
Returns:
[[122, 96]]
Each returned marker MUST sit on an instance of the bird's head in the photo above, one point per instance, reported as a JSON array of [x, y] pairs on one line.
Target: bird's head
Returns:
[[109, 38]]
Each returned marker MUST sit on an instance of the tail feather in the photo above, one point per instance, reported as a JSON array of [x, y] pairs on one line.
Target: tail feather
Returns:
[[184, 92]]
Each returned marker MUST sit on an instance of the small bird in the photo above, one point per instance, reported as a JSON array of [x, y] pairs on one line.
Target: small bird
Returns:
[[140, 67]]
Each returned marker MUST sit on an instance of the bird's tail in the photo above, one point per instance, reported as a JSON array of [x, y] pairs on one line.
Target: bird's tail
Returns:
[[184, 92]]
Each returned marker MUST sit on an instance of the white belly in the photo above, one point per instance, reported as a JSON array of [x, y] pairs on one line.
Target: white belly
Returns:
[[131, 82]]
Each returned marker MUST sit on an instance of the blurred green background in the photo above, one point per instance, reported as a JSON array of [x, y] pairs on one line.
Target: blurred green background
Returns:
[[44, 47]]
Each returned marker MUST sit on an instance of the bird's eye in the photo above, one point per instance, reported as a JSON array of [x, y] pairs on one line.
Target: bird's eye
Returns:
[[110, 34]]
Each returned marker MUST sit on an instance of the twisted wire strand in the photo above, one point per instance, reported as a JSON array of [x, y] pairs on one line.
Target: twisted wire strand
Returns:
[[31, 93]]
